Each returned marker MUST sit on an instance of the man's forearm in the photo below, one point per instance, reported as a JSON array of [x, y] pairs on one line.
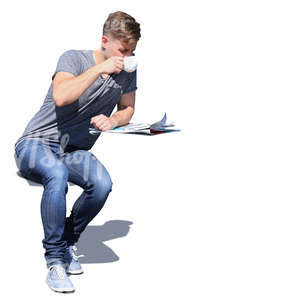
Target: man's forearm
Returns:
[[123, 117], [70, 90]]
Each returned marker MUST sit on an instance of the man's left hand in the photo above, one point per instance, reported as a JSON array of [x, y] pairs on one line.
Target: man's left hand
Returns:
[[103, 122]]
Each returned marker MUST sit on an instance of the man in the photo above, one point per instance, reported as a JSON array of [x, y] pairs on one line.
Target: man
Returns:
[[53, 149]]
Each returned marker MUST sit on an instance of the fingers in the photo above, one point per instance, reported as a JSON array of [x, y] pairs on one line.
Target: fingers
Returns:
[[118, 70], [119, 59], [101, 122], [119, 63], [97, 121], [105, 126], [119, 66], [98, 118]]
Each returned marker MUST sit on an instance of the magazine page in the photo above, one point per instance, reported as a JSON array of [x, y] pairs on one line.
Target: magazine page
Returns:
[[140, 128]]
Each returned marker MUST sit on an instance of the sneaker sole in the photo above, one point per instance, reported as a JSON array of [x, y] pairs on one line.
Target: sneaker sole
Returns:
[[75, 272], [61, 290]]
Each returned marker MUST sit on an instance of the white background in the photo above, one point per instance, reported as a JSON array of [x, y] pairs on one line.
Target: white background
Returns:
[[215, 208]]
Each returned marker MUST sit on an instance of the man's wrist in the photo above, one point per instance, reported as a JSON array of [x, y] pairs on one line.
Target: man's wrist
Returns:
[[100, 70], [115, 121], [101, 73]]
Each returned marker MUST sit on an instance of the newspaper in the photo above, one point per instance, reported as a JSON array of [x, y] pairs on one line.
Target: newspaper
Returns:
[[141, 128]]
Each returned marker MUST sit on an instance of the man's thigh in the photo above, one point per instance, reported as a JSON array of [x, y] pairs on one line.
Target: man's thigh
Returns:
[[84, 167], [35, 160]]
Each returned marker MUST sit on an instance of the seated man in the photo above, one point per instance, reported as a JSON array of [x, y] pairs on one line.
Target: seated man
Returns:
[[85, 88]]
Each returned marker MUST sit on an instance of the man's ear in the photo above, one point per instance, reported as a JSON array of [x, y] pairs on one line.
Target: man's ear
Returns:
[[104, 41]]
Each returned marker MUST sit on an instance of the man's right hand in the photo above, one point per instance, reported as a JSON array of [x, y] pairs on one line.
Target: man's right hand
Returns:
[[113, 64]]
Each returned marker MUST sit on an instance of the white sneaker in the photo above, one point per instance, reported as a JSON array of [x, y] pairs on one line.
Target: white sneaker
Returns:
[[58, 280]]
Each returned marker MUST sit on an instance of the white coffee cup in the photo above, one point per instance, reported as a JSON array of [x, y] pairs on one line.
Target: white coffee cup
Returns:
[[130, 63]]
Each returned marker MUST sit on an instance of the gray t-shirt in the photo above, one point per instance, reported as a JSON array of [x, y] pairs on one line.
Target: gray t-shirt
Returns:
[[71, 122]]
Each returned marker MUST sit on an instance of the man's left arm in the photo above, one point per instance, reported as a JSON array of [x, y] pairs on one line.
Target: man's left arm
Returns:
[[121, 117]]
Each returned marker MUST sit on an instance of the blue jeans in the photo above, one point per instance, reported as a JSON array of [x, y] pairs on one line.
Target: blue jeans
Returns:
[[49, 164]]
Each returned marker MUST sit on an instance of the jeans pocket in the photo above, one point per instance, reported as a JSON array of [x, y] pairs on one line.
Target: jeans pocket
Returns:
[[19, 157], [19, 148]]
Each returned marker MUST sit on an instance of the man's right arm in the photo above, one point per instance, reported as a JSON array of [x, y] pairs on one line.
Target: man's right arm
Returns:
[[67, 88]]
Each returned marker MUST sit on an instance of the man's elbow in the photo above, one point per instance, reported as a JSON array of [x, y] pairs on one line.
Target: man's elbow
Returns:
[[131, 108], [131, 111], [59, 101]]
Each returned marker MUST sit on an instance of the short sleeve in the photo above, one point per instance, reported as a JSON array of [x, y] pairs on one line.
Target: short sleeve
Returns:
[[68, 62], [131, 83]]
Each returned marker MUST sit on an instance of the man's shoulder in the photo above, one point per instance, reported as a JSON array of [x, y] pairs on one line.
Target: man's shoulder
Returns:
[[81, 56], [71, 52]]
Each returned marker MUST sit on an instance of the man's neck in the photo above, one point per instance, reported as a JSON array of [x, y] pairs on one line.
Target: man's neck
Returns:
[[98, 56]]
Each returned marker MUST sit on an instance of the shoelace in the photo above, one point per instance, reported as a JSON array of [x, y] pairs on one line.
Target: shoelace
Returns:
[[60, 271], [74, 256]]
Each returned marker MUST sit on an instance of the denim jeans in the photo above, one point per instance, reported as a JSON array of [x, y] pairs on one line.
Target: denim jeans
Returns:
[[49, 164]]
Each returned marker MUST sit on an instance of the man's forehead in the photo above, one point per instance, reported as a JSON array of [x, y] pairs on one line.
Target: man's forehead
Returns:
[[127, 45]]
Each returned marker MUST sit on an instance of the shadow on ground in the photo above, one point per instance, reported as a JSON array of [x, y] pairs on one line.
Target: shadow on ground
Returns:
[[91, 241]]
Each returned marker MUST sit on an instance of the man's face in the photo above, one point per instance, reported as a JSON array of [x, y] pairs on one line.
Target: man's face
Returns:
[[114, 47]]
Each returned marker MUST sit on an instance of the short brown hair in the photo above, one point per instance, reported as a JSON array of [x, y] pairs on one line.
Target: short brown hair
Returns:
[[122, 26]]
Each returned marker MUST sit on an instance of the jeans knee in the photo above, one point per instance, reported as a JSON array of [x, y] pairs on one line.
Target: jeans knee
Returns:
[[57, 176], [102, 185], [106, 184]]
